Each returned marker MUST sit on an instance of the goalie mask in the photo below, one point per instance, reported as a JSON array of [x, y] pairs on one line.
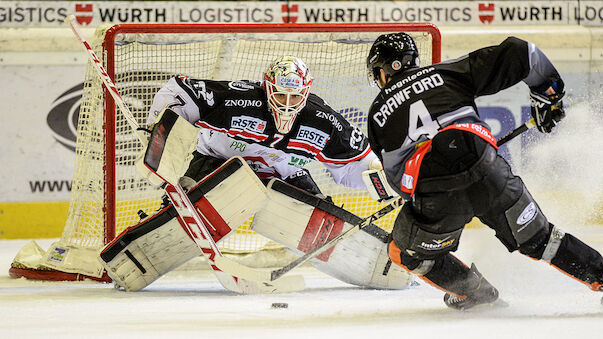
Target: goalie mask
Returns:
[[287, 83], [393, 53]]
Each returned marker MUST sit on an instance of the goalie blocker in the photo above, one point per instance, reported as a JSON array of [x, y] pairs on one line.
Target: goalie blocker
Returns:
[[302, 221]]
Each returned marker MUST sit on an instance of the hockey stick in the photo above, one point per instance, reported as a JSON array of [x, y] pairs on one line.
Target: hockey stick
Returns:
[[526, 126], [100, 70], [229, 265], [190, 216]]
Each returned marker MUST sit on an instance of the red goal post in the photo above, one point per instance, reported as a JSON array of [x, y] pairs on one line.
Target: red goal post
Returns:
[[107, 192]]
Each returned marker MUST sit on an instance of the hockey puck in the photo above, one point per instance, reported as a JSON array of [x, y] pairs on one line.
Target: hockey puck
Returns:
[[279, 305]]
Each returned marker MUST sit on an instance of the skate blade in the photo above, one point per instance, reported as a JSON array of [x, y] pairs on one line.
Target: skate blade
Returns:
[[498, 303]]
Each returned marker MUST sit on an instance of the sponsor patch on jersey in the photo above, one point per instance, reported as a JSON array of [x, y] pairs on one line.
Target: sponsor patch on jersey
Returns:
[[313, 136], [200, 90], [242, 103], [240, 86], [299, 161], [328, 116], [248, 123], [269, 153]]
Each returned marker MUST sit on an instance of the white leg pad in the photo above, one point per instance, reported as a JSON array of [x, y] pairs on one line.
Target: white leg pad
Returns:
[[229, 196], [226, 198], [301, 221], [136, 259]]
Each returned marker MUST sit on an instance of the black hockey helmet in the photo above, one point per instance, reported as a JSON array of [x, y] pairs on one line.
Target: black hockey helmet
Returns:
[[393, 52]]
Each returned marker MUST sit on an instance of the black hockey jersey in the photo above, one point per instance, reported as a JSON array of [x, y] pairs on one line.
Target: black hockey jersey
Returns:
[[416, 104], [234, 119]]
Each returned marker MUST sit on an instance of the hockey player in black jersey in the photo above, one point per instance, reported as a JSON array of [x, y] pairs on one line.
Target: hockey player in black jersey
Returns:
[[440, 156]]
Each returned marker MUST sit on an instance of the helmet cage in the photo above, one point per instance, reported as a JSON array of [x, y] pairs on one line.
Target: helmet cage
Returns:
[[287, 84]]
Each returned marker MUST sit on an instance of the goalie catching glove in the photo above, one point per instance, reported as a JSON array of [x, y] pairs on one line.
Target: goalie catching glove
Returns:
[[547, 109]]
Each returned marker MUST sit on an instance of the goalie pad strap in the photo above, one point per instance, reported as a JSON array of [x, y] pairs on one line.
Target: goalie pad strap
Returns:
[[136, 262], [213, 180]]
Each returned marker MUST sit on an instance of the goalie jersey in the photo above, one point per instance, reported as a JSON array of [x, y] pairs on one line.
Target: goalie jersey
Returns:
[[235, 120]]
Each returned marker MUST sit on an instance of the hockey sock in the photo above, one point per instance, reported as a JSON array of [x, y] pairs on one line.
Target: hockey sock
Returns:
[[580, 261]]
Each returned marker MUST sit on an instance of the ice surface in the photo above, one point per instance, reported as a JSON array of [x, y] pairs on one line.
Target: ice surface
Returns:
[[543, 303]]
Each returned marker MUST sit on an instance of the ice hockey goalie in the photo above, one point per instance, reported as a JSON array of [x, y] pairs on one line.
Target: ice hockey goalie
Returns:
[[283, 213]]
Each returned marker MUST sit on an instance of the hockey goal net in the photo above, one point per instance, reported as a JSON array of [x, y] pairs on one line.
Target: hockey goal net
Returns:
[[107, 191]]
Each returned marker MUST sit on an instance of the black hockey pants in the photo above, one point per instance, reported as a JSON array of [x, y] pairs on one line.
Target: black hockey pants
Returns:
[[463, 177]]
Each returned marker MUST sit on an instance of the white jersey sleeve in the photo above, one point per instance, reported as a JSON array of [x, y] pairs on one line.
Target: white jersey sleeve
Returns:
[[350, 174], [173, 96]]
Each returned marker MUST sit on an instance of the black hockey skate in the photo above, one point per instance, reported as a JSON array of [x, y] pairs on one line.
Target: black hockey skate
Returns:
[[481, 292]]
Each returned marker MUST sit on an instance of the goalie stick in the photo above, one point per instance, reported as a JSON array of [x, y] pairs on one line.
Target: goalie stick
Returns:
[[192, 220], [229, 265]]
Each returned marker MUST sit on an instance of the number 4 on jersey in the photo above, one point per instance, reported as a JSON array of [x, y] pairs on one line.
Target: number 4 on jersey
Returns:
[[418, 112]]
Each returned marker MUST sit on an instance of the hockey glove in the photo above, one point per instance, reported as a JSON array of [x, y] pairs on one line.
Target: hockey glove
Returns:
[[377, 186], [547, 110], [187, 183]]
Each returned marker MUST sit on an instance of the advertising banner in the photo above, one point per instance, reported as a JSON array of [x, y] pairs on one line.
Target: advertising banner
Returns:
[[478, 13], [38, 119]]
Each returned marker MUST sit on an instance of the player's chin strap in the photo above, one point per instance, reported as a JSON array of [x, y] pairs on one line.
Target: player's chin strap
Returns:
[[194, 224], [263, 275]]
